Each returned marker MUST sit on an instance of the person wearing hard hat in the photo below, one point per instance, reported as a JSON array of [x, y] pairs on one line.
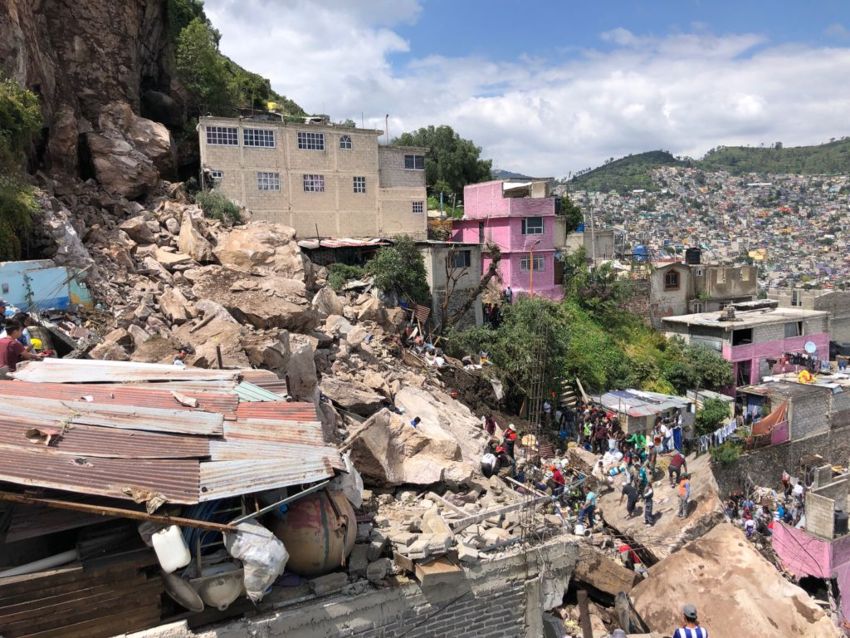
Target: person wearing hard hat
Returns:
[[690, 627]]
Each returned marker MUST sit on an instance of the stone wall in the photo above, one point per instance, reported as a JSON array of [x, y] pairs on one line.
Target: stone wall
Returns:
[[765, 466]]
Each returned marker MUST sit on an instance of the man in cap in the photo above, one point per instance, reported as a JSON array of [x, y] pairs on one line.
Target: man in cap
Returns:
[[690, 627], [510, 440]]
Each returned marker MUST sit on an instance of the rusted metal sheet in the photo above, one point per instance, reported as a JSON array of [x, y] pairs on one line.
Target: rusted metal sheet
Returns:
[[99, 371], [142, 395], [282, 410], [247, 449], [221, 479], [112, 416], [308, 433], [176, 479], [105, 442]]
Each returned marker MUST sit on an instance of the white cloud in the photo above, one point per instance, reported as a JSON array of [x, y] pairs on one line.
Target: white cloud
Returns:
[[684, 92]]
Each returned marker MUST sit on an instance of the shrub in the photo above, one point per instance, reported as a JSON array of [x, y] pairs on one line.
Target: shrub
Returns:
[[339, 274], [400, 269], [713, 413], [216, 205], [726, 453]]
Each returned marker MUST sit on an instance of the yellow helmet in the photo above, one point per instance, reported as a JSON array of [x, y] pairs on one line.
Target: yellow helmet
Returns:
[[36, 344]]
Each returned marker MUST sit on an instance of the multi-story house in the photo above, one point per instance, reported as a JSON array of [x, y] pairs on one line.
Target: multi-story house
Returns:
[[835, 302], [754, 336], [519, 218], [319, 178]]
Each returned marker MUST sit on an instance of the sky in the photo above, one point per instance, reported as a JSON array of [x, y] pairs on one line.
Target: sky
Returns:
[[551, 87]]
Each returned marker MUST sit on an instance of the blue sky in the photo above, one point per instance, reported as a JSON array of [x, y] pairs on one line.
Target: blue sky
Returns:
[[547, 88]]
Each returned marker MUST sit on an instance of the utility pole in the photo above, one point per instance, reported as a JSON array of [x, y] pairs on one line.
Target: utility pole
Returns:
[[593, 235]]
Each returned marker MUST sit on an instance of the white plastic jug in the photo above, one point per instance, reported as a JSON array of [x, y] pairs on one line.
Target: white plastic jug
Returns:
[[171, 549]]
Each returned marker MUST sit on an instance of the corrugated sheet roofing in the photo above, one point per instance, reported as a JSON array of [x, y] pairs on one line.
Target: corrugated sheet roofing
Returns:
[[123, 441], [99, 371]]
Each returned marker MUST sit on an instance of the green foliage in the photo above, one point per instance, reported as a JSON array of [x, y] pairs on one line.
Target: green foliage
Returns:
[[571, 213], [597, 290], [181, 12], [455, 212], [20, 120], [696, 367], [625, 174], [451, 163], [830, 158], [726, 453], [400, 269], [713, 413], [340, 274], [216, 205]]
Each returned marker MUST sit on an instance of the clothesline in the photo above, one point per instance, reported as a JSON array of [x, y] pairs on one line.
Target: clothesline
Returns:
[[718, 437]]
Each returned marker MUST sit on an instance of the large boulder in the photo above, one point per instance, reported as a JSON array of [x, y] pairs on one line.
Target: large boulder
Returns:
[[301, 369], [269, 350], [444, 418], [327, 302], [733, 588], [191, 241], [262, 248], [387, 450], [215, 332], [138, 230], [151, 139], [174, 305], [352, 396]]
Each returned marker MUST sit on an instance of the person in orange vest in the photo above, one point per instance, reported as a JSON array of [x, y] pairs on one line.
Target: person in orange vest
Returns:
[[684, 495]]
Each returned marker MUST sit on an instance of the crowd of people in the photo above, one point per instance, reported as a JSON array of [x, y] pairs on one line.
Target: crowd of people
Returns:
[[16, 342], [758, 512]]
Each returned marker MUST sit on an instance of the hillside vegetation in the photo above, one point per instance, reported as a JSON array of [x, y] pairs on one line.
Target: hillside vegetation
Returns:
[[634, 171], [625, 174]]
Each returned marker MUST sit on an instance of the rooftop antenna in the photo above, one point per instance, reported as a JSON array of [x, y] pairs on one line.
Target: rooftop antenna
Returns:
[[387, 126]]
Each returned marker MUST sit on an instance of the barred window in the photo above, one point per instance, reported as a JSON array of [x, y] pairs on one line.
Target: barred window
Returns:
[[268, 181], [532, 226], [418, 207], [462, 259], [314, 183], [311, 141], [345, 142], [538, 263], [414, 162], [216, 175], [262, 137], [359, 184], [223, 135]]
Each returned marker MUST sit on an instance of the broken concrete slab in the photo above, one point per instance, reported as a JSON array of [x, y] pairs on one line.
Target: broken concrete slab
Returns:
[[329, 583], [602, 572], [733, 588], [378, 570]]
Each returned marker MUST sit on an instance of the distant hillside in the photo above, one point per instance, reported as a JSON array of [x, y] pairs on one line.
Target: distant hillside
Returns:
[[824, 159], [632, 172], [625, 174], [499, 173]]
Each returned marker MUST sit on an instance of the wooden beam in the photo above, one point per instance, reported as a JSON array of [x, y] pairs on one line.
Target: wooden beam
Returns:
[[119, 512]]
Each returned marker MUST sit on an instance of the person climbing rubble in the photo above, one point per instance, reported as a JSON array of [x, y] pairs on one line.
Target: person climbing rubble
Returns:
[[648, 516], [684, 492], [678, 465], [690, 624], [587, 512], [630, 493]]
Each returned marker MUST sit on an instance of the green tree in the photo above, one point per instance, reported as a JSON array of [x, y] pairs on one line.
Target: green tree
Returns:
[[451, 162], [202, 69], [712, 414], [20, 120], [400, 269], [571, 213], [690, 367]]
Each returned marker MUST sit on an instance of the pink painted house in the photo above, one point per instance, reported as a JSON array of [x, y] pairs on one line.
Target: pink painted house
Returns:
[[755, 340], [519, 217]]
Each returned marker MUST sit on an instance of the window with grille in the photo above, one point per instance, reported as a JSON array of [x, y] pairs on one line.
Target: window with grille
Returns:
[[462, 259], [268, 181], [359, 184], [314, 183], [311, 141], [345, 142], [414, 162], [258, 137], [671, 280], [537, 261], [216, 175], [418, 207], [222, 135], [532, 226]]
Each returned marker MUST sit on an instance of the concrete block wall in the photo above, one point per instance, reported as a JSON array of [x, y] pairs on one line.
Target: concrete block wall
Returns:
[[820, 515], [809, 415]]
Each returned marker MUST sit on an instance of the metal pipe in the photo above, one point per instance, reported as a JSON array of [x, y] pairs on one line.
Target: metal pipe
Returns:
[[43, 563], [285, 501]]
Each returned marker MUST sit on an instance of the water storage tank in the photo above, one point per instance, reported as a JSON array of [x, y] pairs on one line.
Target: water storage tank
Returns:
[[693, 256], [319, 535], [641, 253]]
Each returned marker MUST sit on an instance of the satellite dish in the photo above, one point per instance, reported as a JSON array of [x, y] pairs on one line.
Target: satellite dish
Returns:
[[810, 347]]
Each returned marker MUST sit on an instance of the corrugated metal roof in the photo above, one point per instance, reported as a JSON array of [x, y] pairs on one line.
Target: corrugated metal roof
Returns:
[[250, 392], [249, 449], [176, 479], [106, 442], [274, 430], [289, 411], [220, 479], [142, 395], [98, 371], [112, 416]]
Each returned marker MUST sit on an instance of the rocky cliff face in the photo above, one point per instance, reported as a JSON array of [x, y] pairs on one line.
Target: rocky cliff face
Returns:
[[86, 60]]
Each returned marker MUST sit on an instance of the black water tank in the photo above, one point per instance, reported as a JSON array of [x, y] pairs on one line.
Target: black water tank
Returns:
[[840, 523], [693, 256]]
